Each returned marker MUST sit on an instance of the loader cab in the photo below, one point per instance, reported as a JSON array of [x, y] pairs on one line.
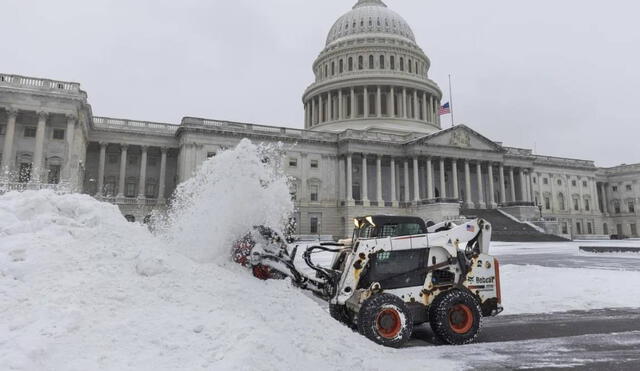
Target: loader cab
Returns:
[[381, 226]]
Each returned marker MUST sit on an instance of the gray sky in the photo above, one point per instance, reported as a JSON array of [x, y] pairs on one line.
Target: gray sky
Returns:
[[562, 77]]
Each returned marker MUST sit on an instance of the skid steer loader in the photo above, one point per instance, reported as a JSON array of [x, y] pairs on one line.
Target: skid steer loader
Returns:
[[396, 273]]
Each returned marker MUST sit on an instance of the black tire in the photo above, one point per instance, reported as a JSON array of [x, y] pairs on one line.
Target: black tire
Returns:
[[455, 317], [339, 313], [386, 320]]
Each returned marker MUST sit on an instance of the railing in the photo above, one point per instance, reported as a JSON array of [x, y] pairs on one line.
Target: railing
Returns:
[[517, 203], [39, 84], [131, 201], [21, 187], [133, 125]]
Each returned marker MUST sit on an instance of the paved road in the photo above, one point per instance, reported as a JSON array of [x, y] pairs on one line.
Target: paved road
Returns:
[[606, 339]]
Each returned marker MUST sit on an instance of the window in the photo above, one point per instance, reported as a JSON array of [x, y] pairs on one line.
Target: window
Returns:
[[293, 162], [130, 188], [293, 191], [561, 201], [605, 228], [559, 182], [113, 159], [629, 187], [341, 66], [587, 207], [110, 186], [25, 172], [401, 64], [584, 183], [392, 62], [314, 164], [416, 67], [314, 189], [54, 174], [133, 160], [589, 228], [565, 229], [634, 229], [409, 65], [29, 132], [211, 154], [314, 224], [152, 162], [360, 62], [573, 183], [326, 70], [333, 68], [535, 180], [150, 188], [58, 134], [616, 207], [545, 180], [578, 228], [382, 62], [576, 204], [547, 203], [614, 188], [371, 62], [350, 63], [632, 207]]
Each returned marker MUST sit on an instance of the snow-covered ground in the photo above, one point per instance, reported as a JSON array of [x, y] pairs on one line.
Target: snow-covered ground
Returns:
[[82, 289]]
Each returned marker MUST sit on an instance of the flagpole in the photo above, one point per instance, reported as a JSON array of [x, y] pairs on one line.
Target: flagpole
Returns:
[[451, 100]]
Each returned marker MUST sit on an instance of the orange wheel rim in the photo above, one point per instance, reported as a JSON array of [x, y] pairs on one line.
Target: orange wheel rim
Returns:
[[388, 323], [460, 319]]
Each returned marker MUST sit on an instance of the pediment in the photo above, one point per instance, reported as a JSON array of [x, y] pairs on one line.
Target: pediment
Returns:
[[462, 137]]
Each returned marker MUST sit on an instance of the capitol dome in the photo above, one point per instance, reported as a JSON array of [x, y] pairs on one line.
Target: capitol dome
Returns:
[[372, 76], [370, 16]]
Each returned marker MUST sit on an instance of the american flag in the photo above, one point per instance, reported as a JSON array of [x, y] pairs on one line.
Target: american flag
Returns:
[[445, 109]]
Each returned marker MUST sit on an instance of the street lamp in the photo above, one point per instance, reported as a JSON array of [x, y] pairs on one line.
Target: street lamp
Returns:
[[540, 208]]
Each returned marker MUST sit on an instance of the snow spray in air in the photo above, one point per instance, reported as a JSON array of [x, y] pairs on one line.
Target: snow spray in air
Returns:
[[229, 194]]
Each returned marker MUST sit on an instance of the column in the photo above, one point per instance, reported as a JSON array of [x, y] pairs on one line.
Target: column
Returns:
[[416, 180], [523, 187], [365, 101], [416, 114], [530, 184], [443, 184], [340, 105], [313, 112], [424, 107], [404, 102], [379, 102], [379, 181], [143, 172], [101, 164], [353, 103], [431, 110], [492, 200], [7, 150], [596, 198], [163, 173], [38, 153], [503, 191], [70, 136], [349, 178], [454, 172], [123, 170], [321, 110], [513, 185], [329, 106], [605, 199], [481, 204], [394, 197], [392, 107], [306, 115], [365, 182], [429, 179], [407, 188], [468, 202]]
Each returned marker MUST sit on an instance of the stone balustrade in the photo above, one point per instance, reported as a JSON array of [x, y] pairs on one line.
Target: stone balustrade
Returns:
[[52, 86], [134, 126]]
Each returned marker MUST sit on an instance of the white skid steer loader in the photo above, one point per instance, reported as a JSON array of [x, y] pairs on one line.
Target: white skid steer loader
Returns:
[[396, 273]]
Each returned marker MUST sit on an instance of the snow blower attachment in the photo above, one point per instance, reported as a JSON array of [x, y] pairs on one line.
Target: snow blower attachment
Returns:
[[396, 273]]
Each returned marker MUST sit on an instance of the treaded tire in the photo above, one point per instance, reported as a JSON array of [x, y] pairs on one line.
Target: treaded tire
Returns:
[[339, 313], [455, 317], [386, 320]]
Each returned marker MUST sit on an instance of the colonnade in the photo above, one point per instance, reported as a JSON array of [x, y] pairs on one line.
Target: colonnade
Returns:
[[416, 175], [372, 102], [37, 165], [123, 170]]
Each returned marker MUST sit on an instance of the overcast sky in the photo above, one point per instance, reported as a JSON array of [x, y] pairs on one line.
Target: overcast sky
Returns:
[[560, 77]]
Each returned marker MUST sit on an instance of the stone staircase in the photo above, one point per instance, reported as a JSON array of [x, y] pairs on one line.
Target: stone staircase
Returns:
[[508, 230]]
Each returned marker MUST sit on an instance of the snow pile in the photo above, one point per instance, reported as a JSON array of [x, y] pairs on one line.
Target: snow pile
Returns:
[[231, 193], [82, 289], [536, 289]]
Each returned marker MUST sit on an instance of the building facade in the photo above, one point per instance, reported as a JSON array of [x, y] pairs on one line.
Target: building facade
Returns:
[[372, 143]]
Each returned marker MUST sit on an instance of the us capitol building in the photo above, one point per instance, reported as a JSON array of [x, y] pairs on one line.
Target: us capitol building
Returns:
[[372, 144]]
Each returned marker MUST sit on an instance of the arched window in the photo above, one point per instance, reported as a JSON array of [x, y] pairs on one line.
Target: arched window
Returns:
[[360, 62], [410, 68], [341, 66], [561, 201], [350, 63], [326, 70], [401, 64], [616, 206], [392, 62], [371, 62], [382, 62], [333, 68]]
